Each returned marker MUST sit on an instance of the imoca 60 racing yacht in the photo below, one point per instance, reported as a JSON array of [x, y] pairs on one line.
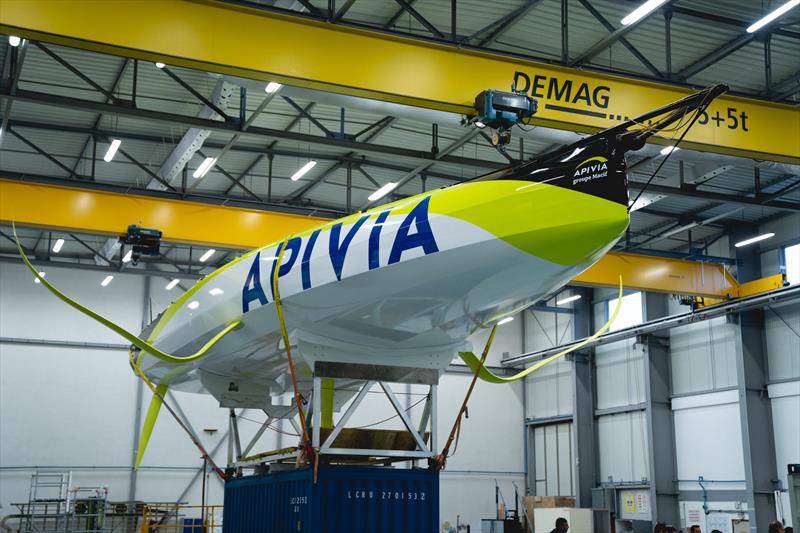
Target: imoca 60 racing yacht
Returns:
[[404, 284]]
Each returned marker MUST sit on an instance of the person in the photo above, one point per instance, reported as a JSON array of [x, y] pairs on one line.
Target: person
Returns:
[[561, 526], [716, 531], [671, 529], [776, 527], [661, 527], [694, 529], [789, 529]]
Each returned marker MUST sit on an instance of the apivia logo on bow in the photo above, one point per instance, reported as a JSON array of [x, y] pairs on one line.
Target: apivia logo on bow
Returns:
[[590, 169]]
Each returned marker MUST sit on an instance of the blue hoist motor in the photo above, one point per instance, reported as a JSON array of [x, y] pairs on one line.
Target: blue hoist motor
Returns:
[[500, 110], [143, 241]]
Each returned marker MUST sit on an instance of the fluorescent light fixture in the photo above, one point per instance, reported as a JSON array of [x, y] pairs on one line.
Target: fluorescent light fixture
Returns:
[[14, 41], [36, 280], [642, 11], [206, 256], [193, 305], [760, 23], [171, 285], [383, 191], [272, 87], [112, 150], [160, 65], [751, 240], [568, 299], [106, 281], [204, 167], [573, 154], [506, 320], [480, 124], [216, 291], [669, 149], [305, 168], [58, 245], [128, 256]]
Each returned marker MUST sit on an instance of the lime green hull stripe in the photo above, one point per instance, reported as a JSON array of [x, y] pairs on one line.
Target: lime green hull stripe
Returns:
[[485, 374], [540, 219]]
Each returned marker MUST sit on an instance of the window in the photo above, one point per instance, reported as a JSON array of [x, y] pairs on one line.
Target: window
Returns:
[[791, 256], [630, 313]]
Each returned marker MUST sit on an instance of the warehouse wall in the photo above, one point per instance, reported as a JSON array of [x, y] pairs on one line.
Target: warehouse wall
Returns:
[[69, 407], [702, 355], [704, 394], [549, 393], [705, 405], [708, 441], [549, 390], [782, 339], [76, 408], [622, 435], [56, 411]]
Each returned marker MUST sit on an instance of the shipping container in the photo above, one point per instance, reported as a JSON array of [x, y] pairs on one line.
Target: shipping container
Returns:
[[343, 500]]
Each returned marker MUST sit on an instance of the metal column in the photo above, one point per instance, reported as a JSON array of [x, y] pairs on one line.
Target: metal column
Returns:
[[658, 410], [583, 404], [137, 419], [755, 409]]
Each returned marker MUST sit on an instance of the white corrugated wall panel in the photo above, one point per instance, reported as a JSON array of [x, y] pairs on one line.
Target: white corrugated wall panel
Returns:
[[708, 440], [781, 324], [550, 390], [786, 425], [620, 375], [702, 355], [622, 445], [551, 464], [565, 462], [540, 461], [24, 303], [783, 343]]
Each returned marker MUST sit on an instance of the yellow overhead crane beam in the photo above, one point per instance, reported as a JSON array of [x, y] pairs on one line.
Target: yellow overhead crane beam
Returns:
[[240, 41], [110, 213], [672, 276]]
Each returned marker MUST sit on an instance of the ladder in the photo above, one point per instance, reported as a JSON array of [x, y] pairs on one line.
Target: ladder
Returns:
[[48, 509]]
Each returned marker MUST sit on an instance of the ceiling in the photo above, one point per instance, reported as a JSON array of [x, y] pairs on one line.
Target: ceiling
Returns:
[[59, 131], [699, 30]]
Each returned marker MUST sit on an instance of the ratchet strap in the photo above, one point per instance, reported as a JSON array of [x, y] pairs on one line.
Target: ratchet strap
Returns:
[[441, 459], [310, 454]]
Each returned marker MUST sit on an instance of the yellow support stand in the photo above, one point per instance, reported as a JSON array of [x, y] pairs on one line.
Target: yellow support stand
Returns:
[[327, 403]]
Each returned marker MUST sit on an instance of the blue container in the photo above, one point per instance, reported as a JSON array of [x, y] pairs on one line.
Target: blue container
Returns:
[[343, 500], [192, 525]]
